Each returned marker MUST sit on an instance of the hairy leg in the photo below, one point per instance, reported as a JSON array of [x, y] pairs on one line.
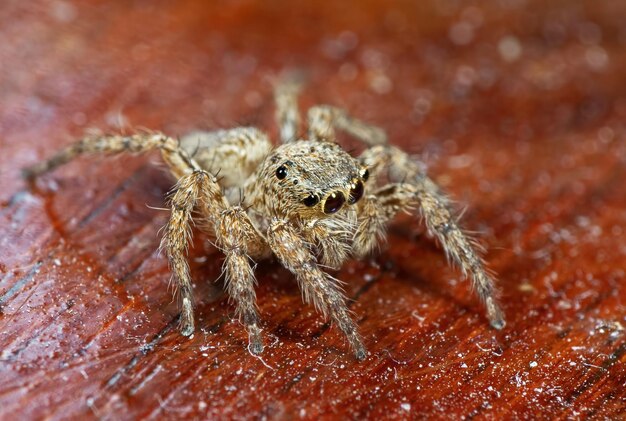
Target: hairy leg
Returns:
[[324, 119], [234, 233], [287, 115], [176, 239], [419, 190], [177, 231], [178, 160], [317, 286], [372, 224], [380, 206]]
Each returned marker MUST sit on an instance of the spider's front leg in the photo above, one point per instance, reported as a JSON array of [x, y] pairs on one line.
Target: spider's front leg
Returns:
[[319, 287], [410, 187], [234, 234]]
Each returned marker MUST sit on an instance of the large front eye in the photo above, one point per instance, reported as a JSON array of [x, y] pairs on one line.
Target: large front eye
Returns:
[[356, 192], [334, 202], [311, 200]]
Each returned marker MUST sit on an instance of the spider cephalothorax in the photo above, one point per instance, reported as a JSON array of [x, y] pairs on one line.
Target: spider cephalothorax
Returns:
[[309, 179], [308, 202]]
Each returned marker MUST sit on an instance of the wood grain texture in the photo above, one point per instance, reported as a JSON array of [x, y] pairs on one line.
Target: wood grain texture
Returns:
[[519, 108]]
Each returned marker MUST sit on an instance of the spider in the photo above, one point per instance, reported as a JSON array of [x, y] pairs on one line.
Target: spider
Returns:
[[307, 202]]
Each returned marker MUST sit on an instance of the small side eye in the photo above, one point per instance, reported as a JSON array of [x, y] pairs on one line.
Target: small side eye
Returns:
[[281, 172], [311, 200], [365, 174], [356, 192]]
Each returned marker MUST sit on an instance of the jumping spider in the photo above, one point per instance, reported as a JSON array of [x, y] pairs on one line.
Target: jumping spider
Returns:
[[306, 201]]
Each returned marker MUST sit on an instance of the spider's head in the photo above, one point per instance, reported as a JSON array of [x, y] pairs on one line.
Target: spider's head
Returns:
[[311, 179]]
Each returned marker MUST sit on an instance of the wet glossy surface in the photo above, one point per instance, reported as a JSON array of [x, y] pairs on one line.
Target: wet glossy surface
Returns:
[[518, 109]]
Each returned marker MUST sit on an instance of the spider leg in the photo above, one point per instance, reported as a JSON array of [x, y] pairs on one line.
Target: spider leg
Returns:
[[377, 209], [177, 231], [317, 286], [375, 212], [177, 159], [324, 119], [435, 208], [287, 115], [176, 239], [233, 231], [234, 234]]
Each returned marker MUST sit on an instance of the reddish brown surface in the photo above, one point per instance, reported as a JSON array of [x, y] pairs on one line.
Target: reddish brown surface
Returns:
[[534, 146]]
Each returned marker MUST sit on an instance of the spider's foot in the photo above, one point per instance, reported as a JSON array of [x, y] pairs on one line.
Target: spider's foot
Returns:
[[186, 319], [255, 341], [34, 171], [498, 324], [360, 353], [187, 329], [358, 348], [496, 318], [28, 174]]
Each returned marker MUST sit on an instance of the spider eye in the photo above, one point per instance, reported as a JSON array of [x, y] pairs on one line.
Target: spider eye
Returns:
[[365, 175], [356, 192], [311, 200], [281, 172], [334, 202]]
